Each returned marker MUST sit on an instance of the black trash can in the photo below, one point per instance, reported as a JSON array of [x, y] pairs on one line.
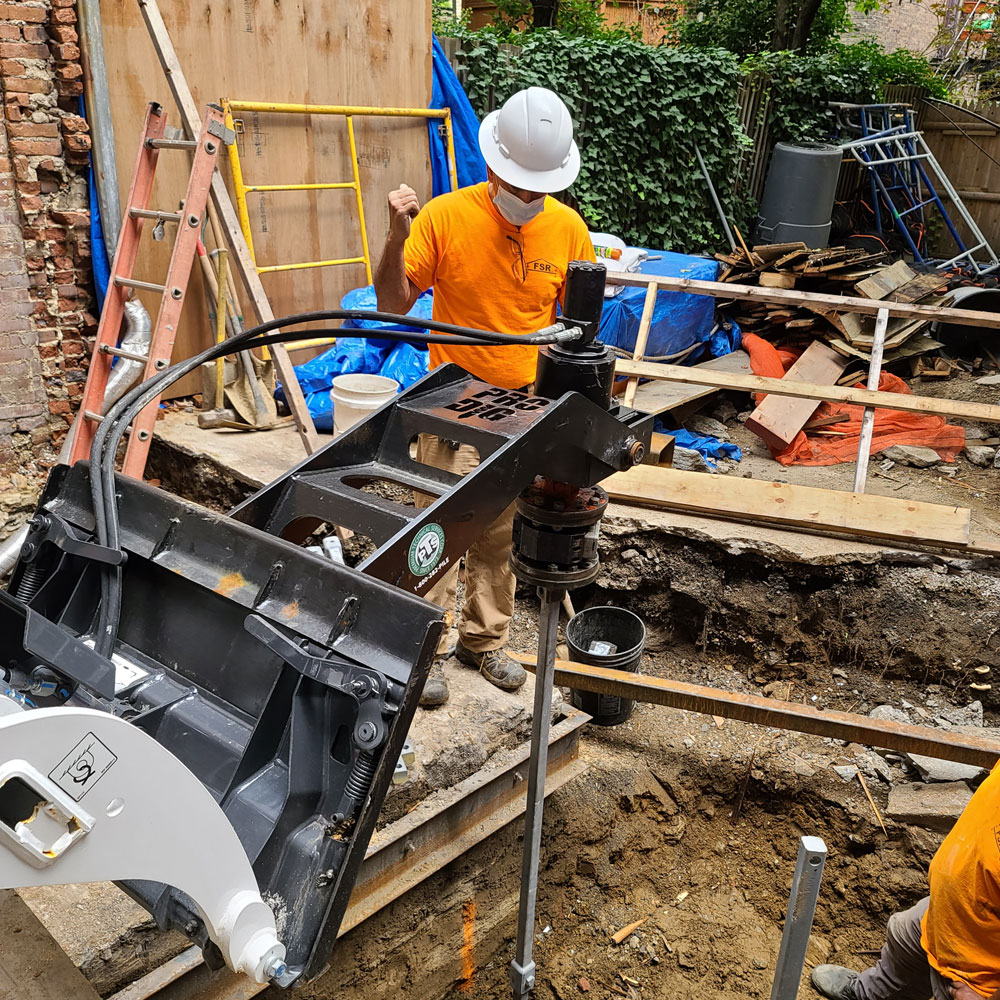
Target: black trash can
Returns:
[[605, 637]]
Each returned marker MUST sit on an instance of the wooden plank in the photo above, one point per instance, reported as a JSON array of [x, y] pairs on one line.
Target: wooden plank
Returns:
[[776, 279], [921, 286], [778, 419], [772, 251], [658, 397], [239, 252], [819, 300], [704, 376], [642, 335], [790, 506], [879, 285], [377, 54], [965, 748], [32, 965]]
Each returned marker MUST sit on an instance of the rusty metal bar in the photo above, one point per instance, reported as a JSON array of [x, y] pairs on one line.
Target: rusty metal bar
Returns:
[[940, 743]]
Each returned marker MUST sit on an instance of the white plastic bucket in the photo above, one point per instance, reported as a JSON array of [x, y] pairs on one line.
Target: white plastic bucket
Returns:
[[355, 396]]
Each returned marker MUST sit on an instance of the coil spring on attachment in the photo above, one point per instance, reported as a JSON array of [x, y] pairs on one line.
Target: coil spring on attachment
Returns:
[[30, 583], [360, 778]]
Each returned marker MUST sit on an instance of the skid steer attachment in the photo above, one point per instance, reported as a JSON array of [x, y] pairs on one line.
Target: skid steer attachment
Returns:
[[280, 683]]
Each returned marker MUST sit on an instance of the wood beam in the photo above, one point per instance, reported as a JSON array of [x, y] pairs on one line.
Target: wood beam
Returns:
[[785, 505], [965, 410], [943, 744], [821, 300]]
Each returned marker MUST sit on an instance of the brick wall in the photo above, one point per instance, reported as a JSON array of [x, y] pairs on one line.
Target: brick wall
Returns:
[[898, 24], [45, 306]]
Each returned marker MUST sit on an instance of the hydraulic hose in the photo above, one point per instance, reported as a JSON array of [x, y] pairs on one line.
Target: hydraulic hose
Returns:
[[118, 418]]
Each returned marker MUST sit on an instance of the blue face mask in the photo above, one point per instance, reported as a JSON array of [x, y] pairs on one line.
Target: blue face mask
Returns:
[[515, 211]]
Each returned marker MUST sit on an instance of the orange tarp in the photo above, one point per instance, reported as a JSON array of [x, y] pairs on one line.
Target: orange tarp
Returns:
[[891, 426]]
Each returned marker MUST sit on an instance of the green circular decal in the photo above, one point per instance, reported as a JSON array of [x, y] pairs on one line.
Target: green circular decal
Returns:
[[426, 549]]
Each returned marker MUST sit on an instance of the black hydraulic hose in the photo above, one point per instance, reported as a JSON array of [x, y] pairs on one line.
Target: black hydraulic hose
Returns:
[[123, 413]]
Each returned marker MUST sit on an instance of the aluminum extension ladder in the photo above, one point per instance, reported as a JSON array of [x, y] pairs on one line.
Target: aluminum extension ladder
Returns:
[[188, 219], [904, 172]]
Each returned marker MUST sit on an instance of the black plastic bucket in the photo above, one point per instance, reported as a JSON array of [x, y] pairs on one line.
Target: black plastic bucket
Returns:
[[625, 633]]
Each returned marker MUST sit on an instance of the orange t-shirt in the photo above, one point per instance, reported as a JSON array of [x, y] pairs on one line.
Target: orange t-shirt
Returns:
[[491, 275], [961, 929]]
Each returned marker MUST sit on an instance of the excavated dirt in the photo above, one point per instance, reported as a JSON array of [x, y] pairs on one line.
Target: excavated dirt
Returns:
[[688, 823]]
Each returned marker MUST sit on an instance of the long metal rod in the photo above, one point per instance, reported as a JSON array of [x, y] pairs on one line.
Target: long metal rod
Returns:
[[338, 109], [715, 199], [522, 968], [941, 743], [868, 416], [799, 918]]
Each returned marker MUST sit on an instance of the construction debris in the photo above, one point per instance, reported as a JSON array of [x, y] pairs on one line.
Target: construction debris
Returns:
[[840, 270]]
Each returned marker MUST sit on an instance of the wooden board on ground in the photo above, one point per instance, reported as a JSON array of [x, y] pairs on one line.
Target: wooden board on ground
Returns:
[[32, 965], [327, 51], [777, 420], [754, 500], [658, 397], [879, 285]]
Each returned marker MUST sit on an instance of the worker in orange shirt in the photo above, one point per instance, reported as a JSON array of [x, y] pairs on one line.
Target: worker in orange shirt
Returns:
[[496, 255], [948, 945]]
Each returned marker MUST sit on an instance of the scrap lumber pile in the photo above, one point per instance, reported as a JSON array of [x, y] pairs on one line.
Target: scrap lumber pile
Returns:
[[837, 270]]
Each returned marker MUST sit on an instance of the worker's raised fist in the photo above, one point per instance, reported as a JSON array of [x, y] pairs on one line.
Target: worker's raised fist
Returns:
[[403, 206]]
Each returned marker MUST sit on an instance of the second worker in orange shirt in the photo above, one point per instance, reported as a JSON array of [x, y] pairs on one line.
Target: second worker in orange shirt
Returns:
[[496, 255]]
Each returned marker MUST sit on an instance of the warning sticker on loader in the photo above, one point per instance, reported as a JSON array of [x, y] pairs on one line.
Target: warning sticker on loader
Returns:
[[83, 767]]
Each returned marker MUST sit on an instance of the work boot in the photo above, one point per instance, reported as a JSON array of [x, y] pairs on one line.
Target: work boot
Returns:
[[835, 982], [495, 665], [436, 686]]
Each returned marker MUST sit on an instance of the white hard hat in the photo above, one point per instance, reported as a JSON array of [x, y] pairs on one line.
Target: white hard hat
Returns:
[[529, 142]]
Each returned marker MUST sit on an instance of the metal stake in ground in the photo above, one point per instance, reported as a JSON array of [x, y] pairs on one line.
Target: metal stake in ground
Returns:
[[522, 968], [799, 918]]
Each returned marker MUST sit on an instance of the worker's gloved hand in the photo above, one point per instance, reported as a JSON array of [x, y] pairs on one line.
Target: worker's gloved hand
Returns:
[[403, 206]]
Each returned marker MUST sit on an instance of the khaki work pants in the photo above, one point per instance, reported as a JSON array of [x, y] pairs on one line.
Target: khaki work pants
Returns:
[[484, 622], [902, 971]]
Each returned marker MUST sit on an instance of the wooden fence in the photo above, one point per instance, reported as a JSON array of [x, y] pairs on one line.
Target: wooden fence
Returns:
[[968, 151]]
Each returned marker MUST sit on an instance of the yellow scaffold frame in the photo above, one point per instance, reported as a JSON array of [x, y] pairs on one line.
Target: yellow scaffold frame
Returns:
[[233, 108]]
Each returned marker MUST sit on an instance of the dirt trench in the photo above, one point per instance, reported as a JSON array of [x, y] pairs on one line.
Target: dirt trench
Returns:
[[907, 616], [692, 825]]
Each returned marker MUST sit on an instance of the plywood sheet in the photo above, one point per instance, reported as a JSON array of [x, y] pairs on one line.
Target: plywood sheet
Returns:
[[658, 397], [299, 51]]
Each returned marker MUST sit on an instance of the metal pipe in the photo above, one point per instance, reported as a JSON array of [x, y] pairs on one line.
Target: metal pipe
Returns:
[[138, 331], [715, 199], [102, 132], [522, 968]]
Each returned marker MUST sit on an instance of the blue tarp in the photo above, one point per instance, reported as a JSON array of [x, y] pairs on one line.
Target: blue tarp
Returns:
[[98, 252], [708, 446], [679, 318], [447, 92]]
